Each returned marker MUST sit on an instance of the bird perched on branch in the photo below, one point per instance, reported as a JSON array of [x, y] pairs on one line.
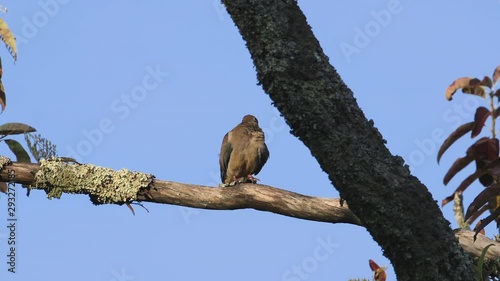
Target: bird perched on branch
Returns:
[[243, 152]]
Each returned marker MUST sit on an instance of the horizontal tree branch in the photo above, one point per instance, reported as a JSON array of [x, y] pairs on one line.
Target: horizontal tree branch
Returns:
[[254, 196], [244, 196], [466, 240]]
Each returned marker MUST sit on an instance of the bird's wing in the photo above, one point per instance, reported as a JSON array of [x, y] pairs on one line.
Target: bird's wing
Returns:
[[263, 154], [225, 154]]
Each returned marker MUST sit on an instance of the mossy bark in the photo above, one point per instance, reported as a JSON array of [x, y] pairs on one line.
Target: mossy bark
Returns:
[[396, 208]]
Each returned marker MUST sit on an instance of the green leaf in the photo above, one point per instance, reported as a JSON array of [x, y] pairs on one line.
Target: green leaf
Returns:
[[15, 129], [18, 150], [479, 268]]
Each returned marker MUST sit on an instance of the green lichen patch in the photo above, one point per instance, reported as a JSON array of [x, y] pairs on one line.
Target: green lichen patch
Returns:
[[4, 161], [104, 185]]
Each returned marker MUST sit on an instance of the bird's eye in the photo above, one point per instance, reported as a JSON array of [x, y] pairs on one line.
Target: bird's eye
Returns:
[[256, 121]]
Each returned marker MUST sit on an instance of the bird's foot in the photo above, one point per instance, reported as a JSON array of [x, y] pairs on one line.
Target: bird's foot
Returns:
[[234, 182], [252, 179]]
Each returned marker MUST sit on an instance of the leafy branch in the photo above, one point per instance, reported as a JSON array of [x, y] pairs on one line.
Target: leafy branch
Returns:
[[484, 152]]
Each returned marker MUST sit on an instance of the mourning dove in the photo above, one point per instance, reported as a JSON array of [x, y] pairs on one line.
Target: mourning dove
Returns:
[[243, 152]]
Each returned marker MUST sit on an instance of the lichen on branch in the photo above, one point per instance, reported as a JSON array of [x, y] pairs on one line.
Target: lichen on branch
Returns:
[[103, 185]]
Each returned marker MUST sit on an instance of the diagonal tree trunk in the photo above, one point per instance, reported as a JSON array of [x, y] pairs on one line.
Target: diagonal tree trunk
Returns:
[[396, 208]]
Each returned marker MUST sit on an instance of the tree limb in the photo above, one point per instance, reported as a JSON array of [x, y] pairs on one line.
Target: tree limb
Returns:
[[396, 208], [245, 196], [474, 248], [255, 196]]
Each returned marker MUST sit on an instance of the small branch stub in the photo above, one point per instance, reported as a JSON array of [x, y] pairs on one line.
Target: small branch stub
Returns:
[[104, 185]]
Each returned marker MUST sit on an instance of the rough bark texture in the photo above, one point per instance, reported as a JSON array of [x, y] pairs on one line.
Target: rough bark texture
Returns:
[[244, 196], [466, 239], [396, 208]]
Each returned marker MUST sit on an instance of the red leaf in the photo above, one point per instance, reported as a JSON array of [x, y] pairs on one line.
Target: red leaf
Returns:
[[457, 166], [458, 133], [482, 198], [493, 149], [482, 113], [380, 274], [463, 186], [494, 169], [485, 153], [477, 214], [447, 199], [373, 265], [469, 180], [468, 86], [3, 98], [484, 222], [496, 74], [485, 149], [481, 231], [497, 94], [486, 180], [487, 82]]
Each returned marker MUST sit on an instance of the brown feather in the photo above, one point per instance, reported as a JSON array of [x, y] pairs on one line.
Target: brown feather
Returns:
[[243, 151]]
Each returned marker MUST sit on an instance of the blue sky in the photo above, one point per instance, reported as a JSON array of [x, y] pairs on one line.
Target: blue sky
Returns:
[[154, 86]]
